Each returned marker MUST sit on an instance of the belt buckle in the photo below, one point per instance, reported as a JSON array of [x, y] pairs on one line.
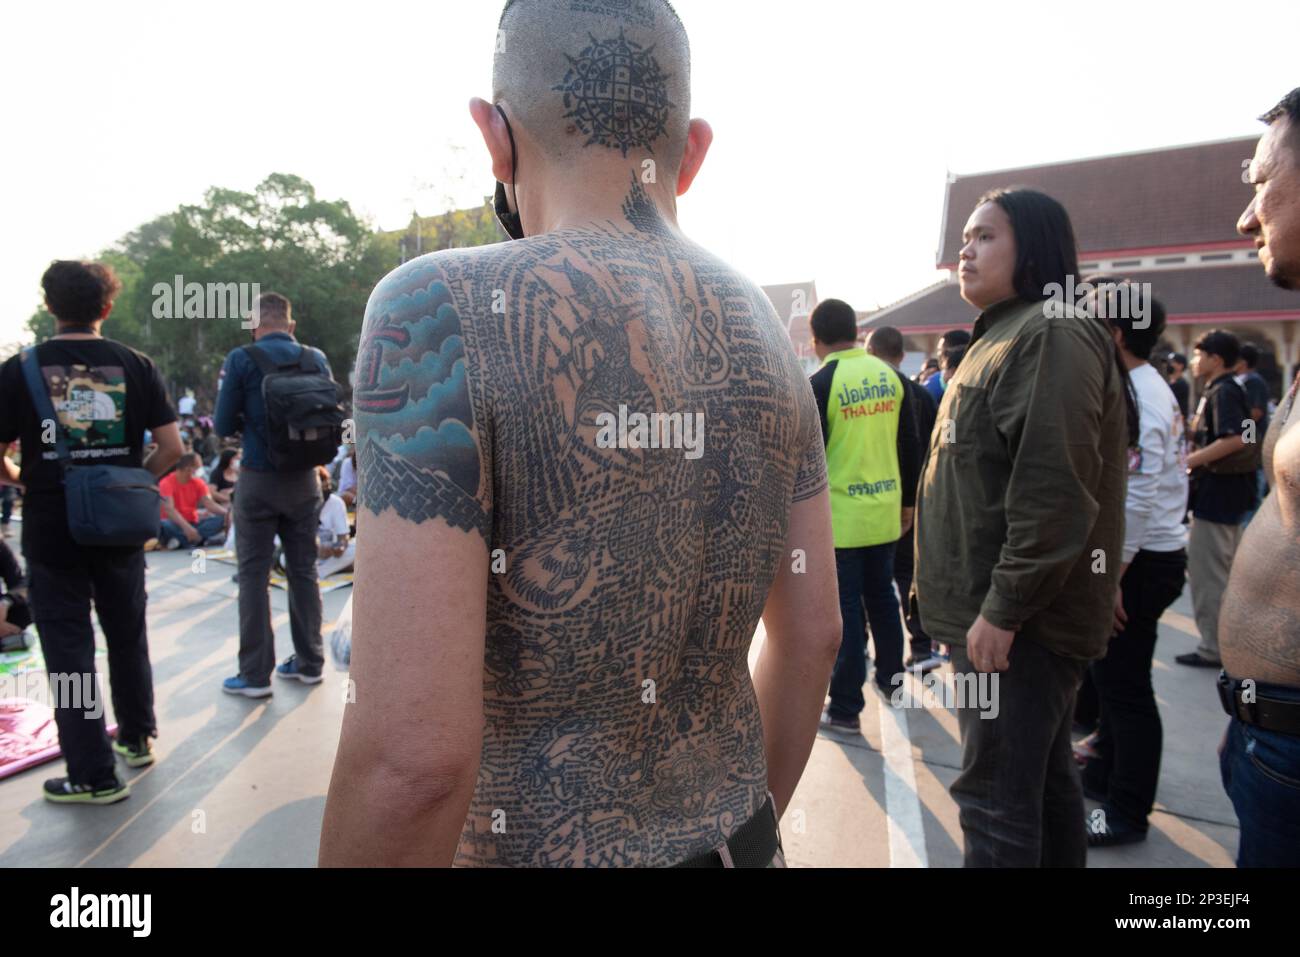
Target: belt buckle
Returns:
[[1224, 686], [1230, 697]]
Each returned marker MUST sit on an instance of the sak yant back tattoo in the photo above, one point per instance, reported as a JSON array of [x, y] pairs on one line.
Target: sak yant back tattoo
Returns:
[[622, 419]]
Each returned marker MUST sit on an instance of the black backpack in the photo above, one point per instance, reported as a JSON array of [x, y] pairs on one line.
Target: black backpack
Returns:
[[304, 411]]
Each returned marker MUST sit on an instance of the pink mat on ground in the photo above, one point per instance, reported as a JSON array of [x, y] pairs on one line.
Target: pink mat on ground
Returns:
[[28, 735]]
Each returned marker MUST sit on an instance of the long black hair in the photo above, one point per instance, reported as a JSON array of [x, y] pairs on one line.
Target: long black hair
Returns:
[[1047, 256], [1045, 247], [223, 462]]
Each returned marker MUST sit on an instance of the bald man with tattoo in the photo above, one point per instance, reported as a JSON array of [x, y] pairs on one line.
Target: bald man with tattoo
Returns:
[[589, 462], [1259, 625]]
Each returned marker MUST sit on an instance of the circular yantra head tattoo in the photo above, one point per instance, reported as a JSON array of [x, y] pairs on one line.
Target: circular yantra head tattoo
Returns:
[[616, 93]]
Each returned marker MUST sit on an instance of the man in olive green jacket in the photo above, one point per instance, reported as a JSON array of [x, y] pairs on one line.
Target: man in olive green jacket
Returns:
[[1020, 530]]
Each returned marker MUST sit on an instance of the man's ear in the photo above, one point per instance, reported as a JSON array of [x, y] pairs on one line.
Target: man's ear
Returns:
[[698, 140], [495, 136]]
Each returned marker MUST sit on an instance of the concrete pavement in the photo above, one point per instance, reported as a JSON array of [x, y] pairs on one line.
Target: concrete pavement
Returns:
[[243, 783]]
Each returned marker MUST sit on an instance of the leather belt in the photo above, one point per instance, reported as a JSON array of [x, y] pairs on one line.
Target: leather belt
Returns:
[[1256, 707]]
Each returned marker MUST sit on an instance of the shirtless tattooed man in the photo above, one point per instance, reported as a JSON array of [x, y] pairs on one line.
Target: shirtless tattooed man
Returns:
[[1259, 626], [554, 600]]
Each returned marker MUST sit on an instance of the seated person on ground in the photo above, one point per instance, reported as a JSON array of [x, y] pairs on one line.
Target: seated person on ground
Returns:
[[335, 551], [224, 475], [15, 615], [184, 493], [348, 479]]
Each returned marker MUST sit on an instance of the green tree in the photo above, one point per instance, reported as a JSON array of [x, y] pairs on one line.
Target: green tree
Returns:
[[283, 237]]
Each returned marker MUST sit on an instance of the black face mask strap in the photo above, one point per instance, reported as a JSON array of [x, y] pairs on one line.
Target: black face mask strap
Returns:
[[514, 168], [514, 154]]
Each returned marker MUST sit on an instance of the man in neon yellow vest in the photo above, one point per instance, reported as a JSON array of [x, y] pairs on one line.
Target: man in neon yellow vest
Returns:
[[873, 459]]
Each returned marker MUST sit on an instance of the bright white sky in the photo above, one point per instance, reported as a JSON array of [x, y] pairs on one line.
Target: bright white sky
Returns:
[[836, 121]]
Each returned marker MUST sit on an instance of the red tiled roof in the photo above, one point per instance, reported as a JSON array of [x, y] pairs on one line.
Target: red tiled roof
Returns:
[[1168, 198], [1204, 294]]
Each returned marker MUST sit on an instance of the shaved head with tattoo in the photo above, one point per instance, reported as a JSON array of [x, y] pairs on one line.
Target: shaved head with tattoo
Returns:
[[589, 463]]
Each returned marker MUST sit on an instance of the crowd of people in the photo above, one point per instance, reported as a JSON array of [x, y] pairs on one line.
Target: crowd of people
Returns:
[[1026, 509], [208, 494], [1021, 505]]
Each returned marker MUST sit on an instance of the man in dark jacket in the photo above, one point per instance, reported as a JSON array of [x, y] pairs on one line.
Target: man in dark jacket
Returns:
[[1020, 530], [271, 503]]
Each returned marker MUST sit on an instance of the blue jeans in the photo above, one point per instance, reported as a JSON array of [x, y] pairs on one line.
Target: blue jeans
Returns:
[[866, 577], [208, 527], [1261, 774]]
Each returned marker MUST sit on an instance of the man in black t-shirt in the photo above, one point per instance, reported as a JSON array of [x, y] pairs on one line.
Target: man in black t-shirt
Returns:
[[1220, 499], [1257, 398], [105, 396], [1256, 388]]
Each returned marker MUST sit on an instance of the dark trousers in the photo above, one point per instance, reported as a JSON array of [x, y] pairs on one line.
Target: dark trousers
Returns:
[[1019, 799], [1129, 733], [7, 496], [866, 576], [904, 569], [285, 504], [61, 596]]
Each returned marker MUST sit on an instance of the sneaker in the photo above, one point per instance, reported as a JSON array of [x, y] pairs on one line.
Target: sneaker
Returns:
[[840, 725], [138, 754], [172, 544], [921, 666], [290, 670], [238, 685], [63, 791], [1195, 660]]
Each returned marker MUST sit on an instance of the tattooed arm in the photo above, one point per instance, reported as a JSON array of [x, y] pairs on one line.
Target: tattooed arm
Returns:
[[408, 757], [802, 621]]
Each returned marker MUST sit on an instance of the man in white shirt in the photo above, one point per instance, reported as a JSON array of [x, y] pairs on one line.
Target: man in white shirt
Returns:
[[335, 549], [1129, 738]]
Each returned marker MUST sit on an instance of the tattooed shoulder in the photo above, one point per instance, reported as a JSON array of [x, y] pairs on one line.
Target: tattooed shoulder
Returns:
[[422, 417]]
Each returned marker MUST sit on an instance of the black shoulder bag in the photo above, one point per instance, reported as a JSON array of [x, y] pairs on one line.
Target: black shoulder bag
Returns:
[[108, 505]]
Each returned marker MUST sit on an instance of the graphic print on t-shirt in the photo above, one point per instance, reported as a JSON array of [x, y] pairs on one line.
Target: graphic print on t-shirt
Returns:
[[90, 402]]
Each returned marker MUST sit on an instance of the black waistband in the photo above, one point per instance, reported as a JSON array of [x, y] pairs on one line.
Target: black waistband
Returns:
[[753, 844], [1253, 705]]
